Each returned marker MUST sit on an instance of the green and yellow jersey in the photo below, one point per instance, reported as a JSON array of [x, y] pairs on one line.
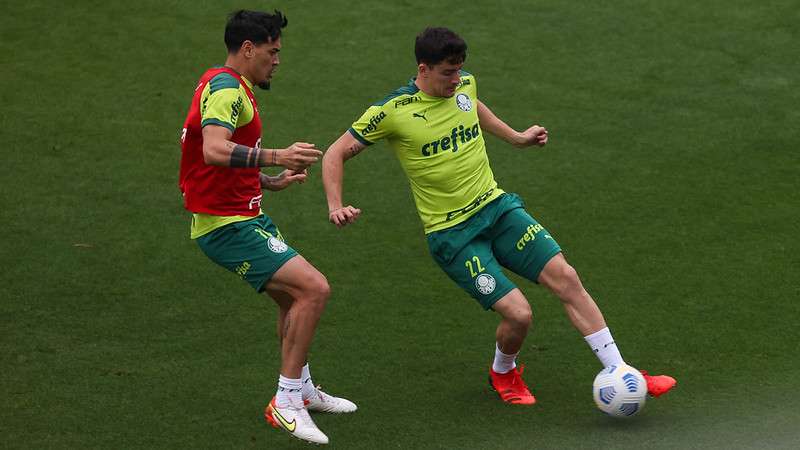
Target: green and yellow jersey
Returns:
[[224, 102], [439, 143]]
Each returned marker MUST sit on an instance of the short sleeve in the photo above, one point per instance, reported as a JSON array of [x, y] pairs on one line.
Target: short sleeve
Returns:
[[372, 126], [222, 102]]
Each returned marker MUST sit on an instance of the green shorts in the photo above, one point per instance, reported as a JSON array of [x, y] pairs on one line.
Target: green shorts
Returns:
[[501, 234], [253, 249]]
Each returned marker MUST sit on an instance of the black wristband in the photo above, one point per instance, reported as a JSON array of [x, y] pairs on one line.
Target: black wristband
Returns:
[[255, 158], [244, 156]]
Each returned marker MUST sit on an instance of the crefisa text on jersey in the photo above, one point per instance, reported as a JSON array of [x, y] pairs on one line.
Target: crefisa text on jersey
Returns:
[[373, 123], [457, 136]]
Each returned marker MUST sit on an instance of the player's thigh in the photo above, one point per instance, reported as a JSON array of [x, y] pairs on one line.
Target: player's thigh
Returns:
[[299, 279], [522, 244], [254, 249], [475, 269]]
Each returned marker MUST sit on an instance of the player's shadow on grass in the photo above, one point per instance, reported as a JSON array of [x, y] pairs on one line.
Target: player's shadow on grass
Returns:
[[600, 421]]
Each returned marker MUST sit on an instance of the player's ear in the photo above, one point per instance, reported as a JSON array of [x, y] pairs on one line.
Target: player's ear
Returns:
[[423, 70], [248, 48]]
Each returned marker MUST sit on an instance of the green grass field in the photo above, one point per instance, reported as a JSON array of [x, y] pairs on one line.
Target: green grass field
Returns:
[[671, 181]]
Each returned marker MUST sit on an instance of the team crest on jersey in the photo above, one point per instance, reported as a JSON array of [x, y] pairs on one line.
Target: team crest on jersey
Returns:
[[276, 245], [463, 102], [485, 283]]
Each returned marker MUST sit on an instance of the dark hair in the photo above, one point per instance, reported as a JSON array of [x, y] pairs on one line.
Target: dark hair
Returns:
[[435, 45], [255, 26]]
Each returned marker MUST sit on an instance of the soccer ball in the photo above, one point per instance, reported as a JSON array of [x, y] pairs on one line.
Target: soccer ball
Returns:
[[620, 390]]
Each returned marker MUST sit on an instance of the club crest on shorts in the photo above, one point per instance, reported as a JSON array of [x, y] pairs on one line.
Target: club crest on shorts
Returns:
[[276, 245], [463, 102], [485, 283]]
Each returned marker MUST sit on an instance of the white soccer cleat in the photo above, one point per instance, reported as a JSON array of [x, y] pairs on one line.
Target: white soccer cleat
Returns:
[[296, 421], [322, 402]]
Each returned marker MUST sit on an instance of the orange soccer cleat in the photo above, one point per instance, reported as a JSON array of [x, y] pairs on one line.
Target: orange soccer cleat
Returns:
[[511, 387], [658, 385]]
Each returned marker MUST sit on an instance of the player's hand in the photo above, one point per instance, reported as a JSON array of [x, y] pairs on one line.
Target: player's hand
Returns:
[[298, 156], [534, 135], [284, 179], [344, 215]]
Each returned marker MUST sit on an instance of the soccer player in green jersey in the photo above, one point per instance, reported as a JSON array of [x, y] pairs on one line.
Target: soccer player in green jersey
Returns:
[[222, 184], [435, 126]]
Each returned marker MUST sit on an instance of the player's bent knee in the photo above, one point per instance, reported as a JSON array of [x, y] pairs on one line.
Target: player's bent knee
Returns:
[[563, 281], [515, 309], [524, 318], [323, 289], [316, 289], [570, 277], [520, 317]]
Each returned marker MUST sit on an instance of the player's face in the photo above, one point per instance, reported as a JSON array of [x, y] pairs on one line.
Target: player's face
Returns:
[[265, 62], [443, 78]]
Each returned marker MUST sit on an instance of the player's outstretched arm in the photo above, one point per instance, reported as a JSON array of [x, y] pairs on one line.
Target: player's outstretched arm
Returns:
[[534, 135], [332, 175], [219, 150]]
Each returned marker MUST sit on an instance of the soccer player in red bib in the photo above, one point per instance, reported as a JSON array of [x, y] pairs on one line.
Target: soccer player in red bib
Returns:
[[222, 184]]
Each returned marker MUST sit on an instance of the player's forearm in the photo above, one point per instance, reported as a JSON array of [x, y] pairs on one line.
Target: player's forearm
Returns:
[[332, 175], [270, 183], [230, 154], [496, 127]]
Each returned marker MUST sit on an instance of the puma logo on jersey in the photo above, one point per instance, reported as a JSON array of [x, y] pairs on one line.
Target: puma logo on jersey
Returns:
[[421, 115]]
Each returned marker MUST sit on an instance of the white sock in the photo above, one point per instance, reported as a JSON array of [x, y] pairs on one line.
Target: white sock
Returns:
[[604, 347], [308, 385], [503, 363], [289, 391]]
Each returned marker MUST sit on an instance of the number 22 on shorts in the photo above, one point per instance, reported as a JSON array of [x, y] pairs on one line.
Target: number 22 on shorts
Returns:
[[468, 263]]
